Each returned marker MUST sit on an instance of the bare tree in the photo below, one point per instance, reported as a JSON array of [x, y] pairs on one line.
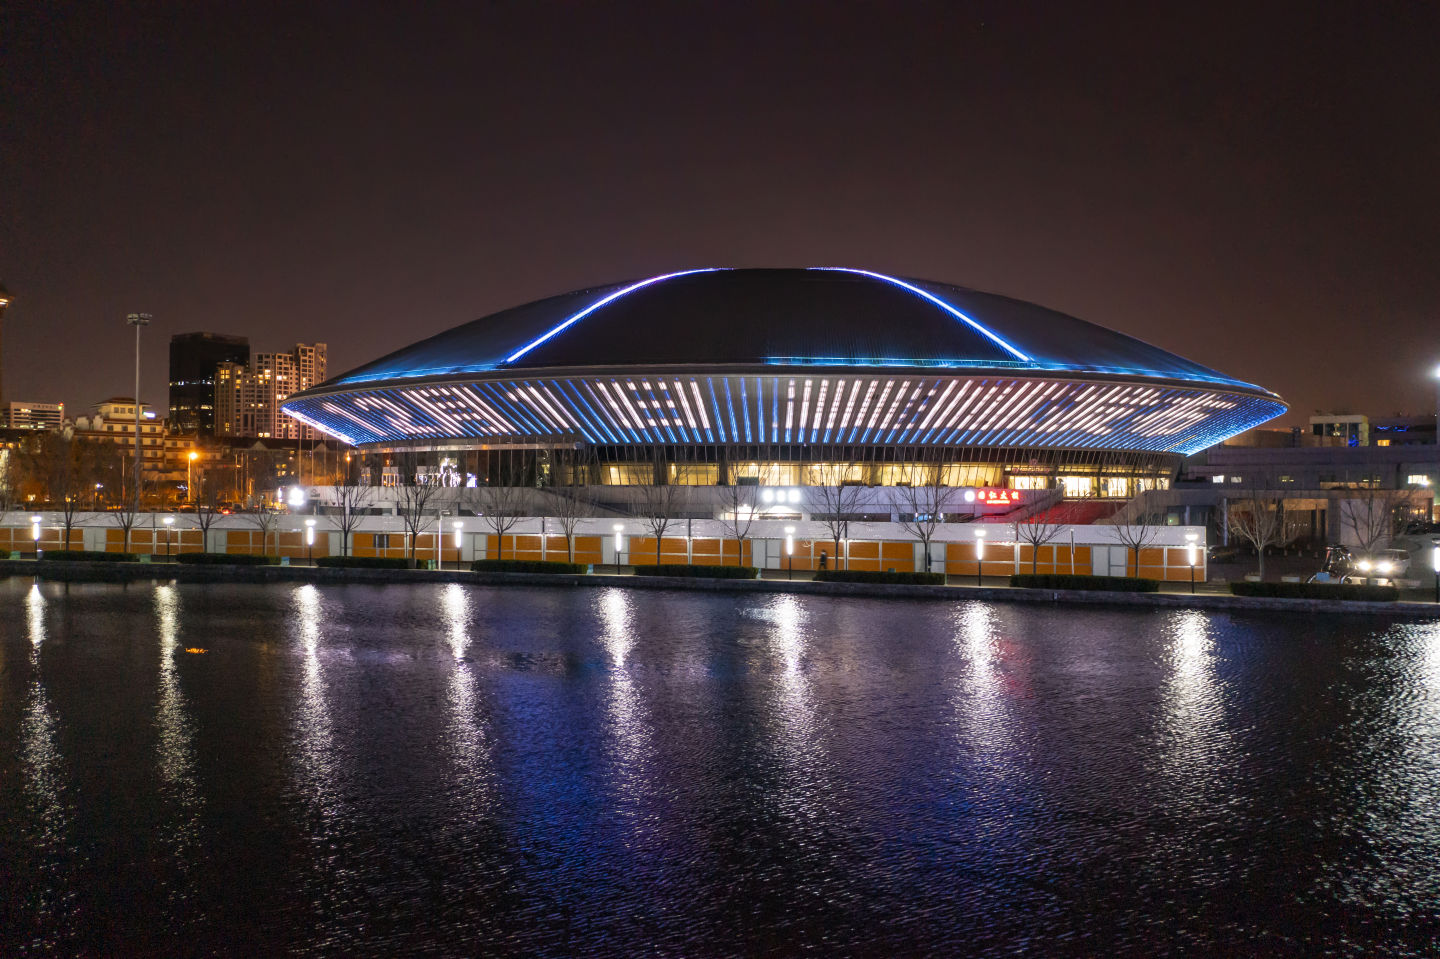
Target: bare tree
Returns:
[[738, 513], [207, 514], [570, 505], [656, 508], [1257, 517], [926, 502], [265, 521], [1373, 515], [833, 501], [1039, 530], [124, 512], [1144, 520], [9, 481], [415, 503], [502, 507], [351, 504]]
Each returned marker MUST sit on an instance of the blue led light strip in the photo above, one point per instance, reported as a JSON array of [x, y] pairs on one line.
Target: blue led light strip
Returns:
[[577, 317], [978, 328]]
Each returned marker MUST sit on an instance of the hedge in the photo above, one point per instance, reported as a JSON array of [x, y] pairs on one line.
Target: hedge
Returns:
[[225, 559], [887, 577], [88, 555], [1383, 594], [699, 572], [1109, 584], [364, 562], [526, 566]]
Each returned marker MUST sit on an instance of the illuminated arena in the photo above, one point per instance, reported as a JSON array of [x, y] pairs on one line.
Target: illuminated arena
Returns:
[[785, 378]]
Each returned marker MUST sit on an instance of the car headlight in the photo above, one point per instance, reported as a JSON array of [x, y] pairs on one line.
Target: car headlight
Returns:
[[1364, 565], [1384, 567]]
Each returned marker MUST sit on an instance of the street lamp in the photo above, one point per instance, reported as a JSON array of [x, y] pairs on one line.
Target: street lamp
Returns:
[[169, 522], [619, 545], [1436, 501], [189, 487], [1435, 565], [979, 556], [310, 540], [35, 533], [790, 552], [1190, 556], [137, 320], [458, 526]]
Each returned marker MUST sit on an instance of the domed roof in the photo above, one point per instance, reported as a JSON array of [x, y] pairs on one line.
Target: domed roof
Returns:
[[781, 317]]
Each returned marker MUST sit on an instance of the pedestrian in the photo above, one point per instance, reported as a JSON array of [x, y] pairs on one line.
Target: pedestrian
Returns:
[[824, 560]]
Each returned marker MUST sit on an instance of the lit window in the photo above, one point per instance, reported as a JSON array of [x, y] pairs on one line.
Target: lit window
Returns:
[[1382, 442], [1417, 479], [1235, 479], [1217, 479]]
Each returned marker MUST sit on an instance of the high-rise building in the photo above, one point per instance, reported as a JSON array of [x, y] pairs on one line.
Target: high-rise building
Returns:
[[248, 396], [194, 358], [35, 416]]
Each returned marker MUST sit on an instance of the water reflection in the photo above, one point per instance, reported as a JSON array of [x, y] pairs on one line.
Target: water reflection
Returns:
[[314, 730], [176, 732], [629, 719], [981, 690], [1195, 741], [808, 780], [43, 770], [468, 735]]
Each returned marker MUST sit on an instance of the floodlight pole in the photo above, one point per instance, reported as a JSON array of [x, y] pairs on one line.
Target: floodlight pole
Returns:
[[137, 320]]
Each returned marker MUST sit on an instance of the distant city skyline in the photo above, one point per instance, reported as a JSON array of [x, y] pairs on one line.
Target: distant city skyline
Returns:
[[1246, 187]]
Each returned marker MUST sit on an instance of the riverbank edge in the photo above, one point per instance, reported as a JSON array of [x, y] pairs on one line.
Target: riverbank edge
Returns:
[[87, 572]]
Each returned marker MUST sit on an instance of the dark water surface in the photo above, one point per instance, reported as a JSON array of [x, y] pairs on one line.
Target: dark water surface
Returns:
[[452, 770]]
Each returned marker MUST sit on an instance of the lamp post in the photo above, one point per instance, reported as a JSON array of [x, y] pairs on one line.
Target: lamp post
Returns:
[[458, 526], [1190, 552], [169, 523], [440, 515], [310, 541], [790, 552], [979, 556], [619, 544], [137, 320], [1435, 565], [189, 481], [1435, 502], [35, 533]]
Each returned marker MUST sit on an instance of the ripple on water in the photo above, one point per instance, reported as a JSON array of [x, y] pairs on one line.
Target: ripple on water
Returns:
[[366, 770]]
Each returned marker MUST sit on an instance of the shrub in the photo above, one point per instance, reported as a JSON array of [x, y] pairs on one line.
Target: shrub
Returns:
[[225, 559], [699, 572], [526, 566], [1383, 594], [1110, 584], [364, 562], [888, 577], [88, 555]]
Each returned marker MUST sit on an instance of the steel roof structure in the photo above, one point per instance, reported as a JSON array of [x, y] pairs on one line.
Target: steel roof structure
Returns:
[[785, 356]]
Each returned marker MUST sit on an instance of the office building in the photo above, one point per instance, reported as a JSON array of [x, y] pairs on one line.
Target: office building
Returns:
[[194, 357]]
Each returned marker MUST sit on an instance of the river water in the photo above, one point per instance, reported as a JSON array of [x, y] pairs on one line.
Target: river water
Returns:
[[356, 770]]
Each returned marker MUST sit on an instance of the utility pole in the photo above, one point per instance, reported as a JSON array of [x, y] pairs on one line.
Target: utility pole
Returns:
[[137, 320]]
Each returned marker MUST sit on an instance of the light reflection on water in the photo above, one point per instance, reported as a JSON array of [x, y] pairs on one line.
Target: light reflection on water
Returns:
[[174, 729], [629, 721], [43, 771], [468, 738], [388, 771]]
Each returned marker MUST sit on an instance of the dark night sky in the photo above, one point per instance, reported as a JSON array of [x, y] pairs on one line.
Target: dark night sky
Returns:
[[1254, 187]]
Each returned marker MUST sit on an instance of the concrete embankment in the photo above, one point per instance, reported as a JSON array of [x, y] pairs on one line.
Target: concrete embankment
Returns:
[[67, 571]]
